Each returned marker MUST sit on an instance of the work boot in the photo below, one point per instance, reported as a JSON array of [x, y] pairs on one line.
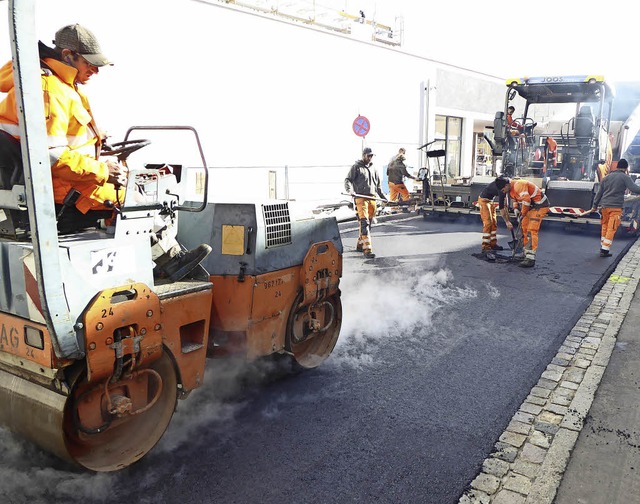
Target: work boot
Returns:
[[369, 255], [527, 263], [605, 253], [490, 256], [497, 247], [181, 264]]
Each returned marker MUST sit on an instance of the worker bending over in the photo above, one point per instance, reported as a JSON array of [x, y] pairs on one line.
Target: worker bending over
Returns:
[[363, 184], [533, 207], [488, 215], [610, 197]]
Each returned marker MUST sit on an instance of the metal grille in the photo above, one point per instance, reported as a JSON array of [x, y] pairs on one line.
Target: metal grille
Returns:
[[277, 223]]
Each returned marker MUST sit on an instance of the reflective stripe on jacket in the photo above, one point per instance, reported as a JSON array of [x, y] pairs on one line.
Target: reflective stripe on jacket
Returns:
[[528, 194], [72, 135]]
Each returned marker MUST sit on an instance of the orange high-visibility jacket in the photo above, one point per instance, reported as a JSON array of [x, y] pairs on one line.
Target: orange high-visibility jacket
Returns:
[[72, 135], [526, 193]]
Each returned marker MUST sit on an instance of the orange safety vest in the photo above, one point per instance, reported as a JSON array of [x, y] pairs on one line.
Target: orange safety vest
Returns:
[[526, 193], [72, 135]]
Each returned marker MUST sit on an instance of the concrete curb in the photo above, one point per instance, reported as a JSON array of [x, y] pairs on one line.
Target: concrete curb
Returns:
[[531, 455]]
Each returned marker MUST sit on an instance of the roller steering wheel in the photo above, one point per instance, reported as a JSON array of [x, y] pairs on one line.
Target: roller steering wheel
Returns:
[[122, 150]]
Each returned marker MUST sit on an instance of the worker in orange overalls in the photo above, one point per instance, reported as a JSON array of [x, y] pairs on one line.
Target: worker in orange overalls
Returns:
[[397, 171], [363, 184], [514, 136], [610, 197], [534, 205], [488, 215]]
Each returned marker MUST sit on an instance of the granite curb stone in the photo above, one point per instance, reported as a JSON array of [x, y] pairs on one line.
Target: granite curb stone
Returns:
[[531, 455]]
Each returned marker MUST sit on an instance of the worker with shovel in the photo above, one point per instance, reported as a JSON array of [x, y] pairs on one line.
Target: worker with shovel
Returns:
[[363, 184], [534, 205], [489, 218]]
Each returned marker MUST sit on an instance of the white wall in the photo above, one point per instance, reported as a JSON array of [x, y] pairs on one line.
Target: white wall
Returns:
[[260, 92]]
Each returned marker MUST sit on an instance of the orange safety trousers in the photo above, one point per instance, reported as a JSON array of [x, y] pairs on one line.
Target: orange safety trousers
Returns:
[[610, 224], [398, 190], [489, 224], [366, 209], [530, 227]]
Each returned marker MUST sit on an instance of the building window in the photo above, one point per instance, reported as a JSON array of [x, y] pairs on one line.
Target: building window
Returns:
[[484, 156], [449, 132]]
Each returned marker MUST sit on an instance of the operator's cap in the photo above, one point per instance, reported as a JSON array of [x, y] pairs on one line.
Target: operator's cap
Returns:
[[367, 152], [82, 41]]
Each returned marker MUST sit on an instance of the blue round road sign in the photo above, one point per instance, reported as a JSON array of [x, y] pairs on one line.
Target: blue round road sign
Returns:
[[361, 126]]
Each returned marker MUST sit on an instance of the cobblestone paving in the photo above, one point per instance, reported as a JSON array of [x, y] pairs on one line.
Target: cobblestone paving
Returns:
[[531, 455]]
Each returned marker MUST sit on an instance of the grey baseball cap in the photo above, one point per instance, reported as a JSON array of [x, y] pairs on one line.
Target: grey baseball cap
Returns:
[[82, 41]]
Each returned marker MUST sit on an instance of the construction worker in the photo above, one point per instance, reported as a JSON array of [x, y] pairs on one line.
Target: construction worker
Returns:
[[75, 142], [610, 197], [513, 133], [363, 184], [510, 111], [604, 168], [534, 205], [488, 215], [397, 171], [402, 151]]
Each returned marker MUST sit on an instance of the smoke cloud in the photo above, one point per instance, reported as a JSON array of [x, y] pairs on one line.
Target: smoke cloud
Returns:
[[390, 306], [377, 308]]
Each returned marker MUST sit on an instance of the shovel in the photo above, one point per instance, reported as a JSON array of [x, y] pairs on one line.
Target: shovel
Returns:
[[517, 242], [374, 198], [514, 243]]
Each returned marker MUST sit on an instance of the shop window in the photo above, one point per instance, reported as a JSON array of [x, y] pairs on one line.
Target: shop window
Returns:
[[449, 132], [484, 156]]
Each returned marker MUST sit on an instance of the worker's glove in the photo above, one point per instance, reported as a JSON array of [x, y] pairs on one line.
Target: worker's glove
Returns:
[[117, 173]]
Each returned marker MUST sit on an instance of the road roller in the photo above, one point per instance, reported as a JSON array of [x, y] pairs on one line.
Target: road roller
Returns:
[[95, 350]]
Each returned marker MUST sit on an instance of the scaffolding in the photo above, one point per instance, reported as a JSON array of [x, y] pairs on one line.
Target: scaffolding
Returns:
[[332, 15]]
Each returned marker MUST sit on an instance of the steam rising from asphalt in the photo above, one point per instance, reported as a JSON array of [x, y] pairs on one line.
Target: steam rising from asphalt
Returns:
[[35, 477], [395, 305], [29, 476], [377, 308]]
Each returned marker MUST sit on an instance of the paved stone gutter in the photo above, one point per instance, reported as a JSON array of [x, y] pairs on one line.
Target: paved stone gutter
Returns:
[[531, 455]]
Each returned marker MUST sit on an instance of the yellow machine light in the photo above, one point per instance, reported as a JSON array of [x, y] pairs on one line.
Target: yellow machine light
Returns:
[[592, 79], [34, 337], [233, 240]]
